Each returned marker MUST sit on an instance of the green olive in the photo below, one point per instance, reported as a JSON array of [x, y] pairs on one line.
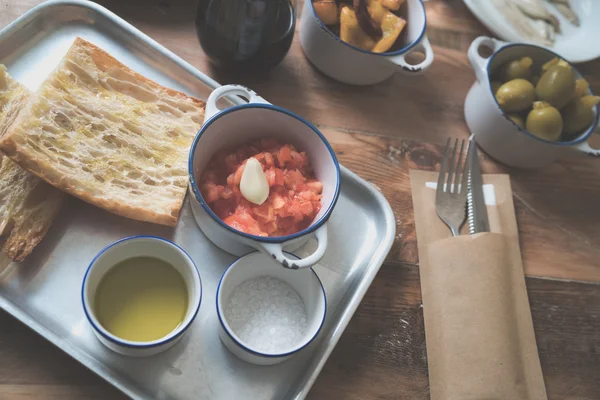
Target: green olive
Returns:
[[517, 119], [582, 87], [578, 114], [549, 64], [516, 95], [495, 86], [544, 121], [557, 85], [516, 69]]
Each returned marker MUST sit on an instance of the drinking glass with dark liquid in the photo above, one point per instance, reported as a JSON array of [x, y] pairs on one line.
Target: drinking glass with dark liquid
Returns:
[[246, 34]]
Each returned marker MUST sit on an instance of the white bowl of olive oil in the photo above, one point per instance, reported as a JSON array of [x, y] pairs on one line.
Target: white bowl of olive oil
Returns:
[[141, 294]]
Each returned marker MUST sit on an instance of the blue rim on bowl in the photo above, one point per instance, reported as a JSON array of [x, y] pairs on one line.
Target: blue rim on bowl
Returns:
[[127, 343], [581, 138], [239, 343], [275, 239], [391, 53]]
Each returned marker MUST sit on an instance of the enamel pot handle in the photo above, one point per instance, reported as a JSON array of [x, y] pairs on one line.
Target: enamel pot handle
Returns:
[[425, 48], [275, 250], [585, 147], [479, 63], [229, 90]]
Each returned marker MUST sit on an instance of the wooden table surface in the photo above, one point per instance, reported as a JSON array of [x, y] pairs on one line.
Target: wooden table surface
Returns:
[[380, 132]]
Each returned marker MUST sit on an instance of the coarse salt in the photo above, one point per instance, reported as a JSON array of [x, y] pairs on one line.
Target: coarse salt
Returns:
[[266, 314]]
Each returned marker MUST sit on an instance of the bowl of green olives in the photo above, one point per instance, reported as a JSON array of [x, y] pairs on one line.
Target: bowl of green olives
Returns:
[[528, 106]]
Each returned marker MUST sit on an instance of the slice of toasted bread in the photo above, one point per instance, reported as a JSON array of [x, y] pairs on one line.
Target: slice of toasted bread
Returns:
[[13, 96], [106, 134], [28, 205]]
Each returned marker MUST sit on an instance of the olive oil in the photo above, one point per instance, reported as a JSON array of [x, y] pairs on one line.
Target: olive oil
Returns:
[[141, 299]]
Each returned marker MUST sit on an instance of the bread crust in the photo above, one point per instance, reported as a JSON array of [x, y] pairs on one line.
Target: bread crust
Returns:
[[33, 221], [15, 145], [28, 205], [105, 62]]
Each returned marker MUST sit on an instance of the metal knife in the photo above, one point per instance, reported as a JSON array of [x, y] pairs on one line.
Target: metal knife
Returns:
[[476, 210]]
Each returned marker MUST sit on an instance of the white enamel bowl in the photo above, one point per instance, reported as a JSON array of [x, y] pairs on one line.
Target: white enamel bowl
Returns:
[[141, 246], [305, 282], [244, 123], [497, 135], [349, 64]]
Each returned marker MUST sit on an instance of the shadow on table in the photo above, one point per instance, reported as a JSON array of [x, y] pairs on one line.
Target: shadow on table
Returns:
[[155, 12]]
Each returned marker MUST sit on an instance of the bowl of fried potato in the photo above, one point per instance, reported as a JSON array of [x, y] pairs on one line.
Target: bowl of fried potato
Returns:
[[363, 42]]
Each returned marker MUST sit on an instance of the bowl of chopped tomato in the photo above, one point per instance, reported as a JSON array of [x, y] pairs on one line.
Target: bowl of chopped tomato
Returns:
[[262, 178]]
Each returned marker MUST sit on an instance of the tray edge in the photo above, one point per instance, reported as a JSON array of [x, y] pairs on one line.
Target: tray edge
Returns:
[[75, 353], [373, 268]]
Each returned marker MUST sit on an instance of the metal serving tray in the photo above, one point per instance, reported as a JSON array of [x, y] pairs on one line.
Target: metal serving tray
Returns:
[[44, 291]]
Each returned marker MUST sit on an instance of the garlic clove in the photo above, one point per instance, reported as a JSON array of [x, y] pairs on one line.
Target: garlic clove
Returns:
[[253, 185]]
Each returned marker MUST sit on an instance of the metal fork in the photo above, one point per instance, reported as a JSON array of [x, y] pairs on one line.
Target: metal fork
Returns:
[[450, 196]]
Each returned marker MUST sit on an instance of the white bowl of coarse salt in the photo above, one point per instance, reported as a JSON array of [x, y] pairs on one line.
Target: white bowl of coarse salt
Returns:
[[268, 313]]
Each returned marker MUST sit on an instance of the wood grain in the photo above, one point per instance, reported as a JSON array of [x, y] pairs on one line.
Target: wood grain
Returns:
[[32, 368], [559, 219], [380, 132], [382, 354]]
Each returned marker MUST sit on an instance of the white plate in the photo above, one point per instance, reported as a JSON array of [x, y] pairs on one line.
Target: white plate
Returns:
[[576, 44]]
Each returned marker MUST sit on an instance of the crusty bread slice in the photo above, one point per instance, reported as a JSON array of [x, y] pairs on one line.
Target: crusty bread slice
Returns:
[[28, 205], [13, 96], [106, 134]]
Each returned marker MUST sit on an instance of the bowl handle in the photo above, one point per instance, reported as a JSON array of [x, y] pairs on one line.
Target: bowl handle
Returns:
[[275, 250], [423, 47], [479, 63], [228, 90], [585, 147]]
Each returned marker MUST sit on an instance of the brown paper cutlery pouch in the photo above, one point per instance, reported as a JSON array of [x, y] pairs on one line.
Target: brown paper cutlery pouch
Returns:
[[478, 328]]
